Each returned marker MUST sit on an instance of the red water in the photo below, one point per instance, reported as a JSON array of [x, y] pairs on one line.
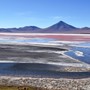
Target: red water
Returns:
[[58, 37]]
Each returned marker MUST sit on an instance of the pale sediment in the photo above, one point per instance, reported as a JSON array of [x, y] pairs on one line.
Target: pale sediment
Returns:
[[49, 83]]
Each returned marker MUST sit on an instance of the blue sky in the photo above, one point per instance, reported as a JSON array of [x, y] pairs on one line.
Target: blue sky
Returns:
[[43, 13]]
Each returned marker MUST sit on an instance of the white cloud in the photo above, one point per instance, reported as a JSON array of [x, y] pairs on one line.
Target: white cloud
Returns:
[[57, 17], [22, 13], [60, 17]]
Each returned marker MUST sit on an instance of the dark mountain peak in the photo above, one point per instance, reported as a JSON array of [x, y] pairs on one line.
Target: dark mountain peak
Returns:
[[64, 25], [61, 26], [61, 22]]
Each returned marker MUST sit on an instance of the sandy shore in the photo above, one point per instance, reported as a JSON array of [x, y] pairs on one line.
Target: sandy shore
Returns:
[[49, 83]]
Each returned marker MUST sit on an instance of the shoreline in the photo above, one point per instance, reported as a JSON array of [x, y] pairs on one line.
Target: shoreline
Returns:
[[8, 33], [48, 83], [84, 64], [57, 36]]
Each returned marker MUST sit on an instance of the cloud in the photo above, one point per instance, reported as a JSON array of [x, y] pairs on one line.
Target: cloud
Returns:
[[60, 17], [56, 17], [22, 13]]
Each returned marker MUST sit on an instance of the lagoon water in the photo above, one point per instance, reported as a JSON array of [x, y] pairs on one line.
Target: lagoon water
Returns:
[[23, 40], [84, 49], [38, 70]]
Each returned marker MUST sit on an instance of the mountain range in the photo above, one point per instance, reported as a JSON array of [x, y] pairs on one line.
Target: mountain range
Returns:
[[60, 27]]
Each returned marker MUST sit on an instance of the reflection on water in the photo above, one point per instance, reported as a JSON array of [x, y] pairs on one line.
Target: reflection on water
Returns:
[[38, 70], [86, 44], [83, 52]]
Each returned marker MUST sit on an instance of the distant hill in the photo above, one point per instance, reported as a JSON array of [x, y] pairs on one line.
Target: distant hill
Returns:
[[60, 27], [21, 29]]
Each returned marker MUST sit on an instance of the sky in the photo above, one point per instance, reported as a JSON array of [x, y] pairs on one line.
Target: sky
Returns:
[[44, 13]]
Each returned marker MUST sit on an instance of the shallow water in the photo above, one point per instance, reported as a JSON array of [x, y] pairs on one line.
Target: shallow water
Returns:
[[17, 53], [83, 49], [24, 40], [85, 44], [38, 70]]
